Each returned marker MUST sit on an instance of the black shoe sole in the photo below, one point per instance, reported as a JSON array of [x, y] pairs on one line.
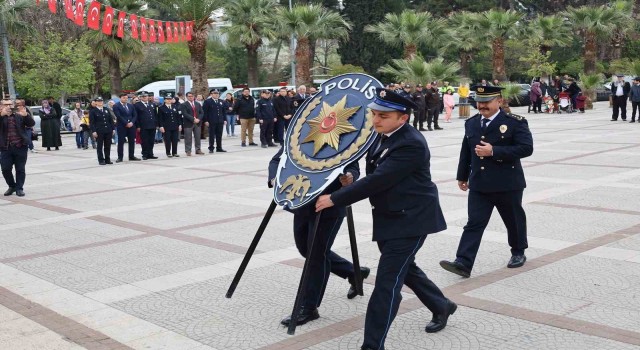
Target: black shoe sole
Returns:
[[454, 269], [286, 321], [452, 310]]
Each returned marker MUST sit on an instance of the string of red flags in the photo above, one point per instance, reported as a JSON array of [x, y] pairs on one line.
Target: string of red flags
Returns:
[[105, 18]]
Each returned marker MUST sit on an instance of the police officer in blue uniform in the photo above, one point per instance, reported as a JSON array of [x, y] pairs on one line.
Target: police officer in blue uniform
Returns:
[[101, 125], [170, 121], [490, 168], [266, 116], [147, 124], [323, 259], [214, 118], [405, 208]]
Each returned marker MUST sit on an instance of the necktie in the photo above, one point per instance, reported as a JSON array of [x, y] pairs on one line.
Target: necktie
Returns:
[[383, 138], [193, 107], [125, 107], [485, 121]]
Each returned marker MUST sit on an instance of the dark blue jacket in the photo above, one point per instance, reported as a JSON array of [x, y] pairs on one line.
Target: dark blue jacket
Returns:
[[511, 140], [265, 110], [169, 118], [214, 111], [125, 115], [100, 120], [404, 200], [310, 208], [147, 116]]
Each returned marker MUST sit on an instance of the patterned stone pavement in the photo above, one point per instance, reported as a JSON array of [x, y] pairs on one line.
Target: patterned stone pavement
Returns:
[[139, 255]]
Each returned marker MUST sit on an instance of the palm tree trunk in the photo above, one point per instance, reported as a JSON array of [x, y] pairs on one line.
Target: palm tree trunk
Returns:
[[303, 75], [198, 50], [617, 40], [275, 60], [498, 60], [116, 76], [7, 60], [312, 51], [590, 50], [465, 69], [410, 51], [252, 65], [97, 73]]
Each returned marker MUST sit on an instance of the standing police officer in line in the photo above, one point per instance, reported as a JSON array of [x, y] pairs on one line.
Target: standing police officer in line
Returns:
[[489, 166], [170, 121], [101, 125], [214, 119], [147, 124], [267, 117], [405, 208], [420, 114]]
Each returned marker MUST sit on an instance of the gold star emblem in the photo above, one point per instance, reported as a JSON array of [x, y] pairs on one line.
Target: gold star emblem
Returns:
[[331, 122], [383, 93]]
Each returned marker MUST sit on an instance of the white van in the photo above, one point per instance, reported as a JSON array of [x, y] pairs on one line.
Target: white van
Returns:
[[183, 83]]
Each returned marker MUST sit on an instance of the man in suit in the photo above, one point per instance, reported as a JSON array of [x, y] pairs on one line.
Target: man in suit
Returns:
[[298, 99], [489, 167], [126, 127], [405, 208], [101, 125], [323, 259], [619, 93], [214, 119], [192, 115], [147, 124], [14, 144]]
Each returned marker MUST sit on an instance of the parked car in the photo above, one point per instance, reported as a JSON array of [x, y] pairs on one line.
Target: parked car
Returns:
[[65, 124]]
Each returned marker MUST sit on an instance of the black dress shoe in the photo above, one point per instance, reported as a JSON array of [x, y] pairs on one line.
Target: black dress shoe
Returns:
[[220, 150], [271, 145], [516, 261], [134, 159], [144, 158], [9, 191], [119, 160], [438, 322], [102, 163], [169, 156], [210, 151], [253, 144], [153, 157], [175, 156], [20, 193], [304, 317], [108, 162], [438, 128], [456, 267], [364, 271], [422, 129], [614, 120], [430, 129]]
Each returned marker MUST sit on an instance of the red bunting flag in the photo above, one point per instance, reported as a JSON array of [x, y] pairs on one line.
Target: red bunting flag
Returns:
[[168, 32], [93, 16], [53, 6], [107, 20], [143, 29], [68, 9], [182, 35], [160, 32], [80, 4], [176, 33], [152, 31], [121, 17], [133, 20], [189, 30]]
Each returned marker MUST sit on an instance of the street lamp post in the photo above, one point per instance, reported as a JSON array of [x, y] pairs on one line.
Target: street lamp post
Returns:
[[7, 59], [293, 53]]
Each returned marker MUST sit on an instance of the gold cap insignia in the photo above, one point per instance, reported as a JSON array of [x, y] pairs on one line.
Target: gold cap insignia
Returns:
[[503, 128], [383, 93], [480, 89]]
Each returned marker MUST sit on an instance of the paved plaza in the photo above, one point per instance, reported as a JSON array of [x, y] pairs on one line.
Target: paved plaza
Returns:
[[140, 255]]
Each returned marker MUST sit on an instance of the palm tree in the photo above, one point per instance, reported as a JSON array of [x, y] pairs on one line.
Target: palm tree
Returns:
[[409, 29], [306, 22], [251, 22], [201, 13], [549, 31], [116, 49], [463, 39], [416, 70], [11, 23], [589, 83], [591, 22], [496, 26], [624, 23]]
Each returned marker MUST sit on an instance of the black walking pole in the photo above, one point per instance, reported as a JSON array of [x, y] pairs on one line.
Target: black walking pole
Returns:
[[293, 323], [252, 248], [357, 274]]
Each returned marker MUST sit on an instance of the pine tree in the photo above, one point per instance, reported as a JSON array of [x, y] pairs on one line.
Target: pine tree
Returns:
[[365, 49]]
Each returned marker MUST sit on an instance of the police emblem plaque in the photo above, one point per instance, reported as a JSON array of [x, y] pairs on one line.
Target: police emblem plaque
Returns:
[[328, 131]]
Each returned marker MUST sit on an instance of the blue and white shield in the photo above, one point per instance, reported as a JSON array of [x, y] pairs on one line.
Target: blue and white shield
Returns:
[[329, 130]]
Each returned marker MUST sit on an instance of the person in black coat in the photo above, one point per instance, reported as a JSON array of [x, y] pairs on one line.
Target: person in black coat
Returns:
[[245, 108], [323, 259], [101, 125], [490, 169], [283, 112], [50, 126], [126, 127], [405, 207], [420, 114], [215, 119], [619, 93], [266, 116], [170, 121], [14, 145], [147, 124]]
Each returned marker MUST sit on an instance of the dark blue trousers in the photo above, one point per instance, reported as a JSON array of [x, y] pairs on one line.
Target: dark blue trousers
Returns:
[[14, 157], [130, 135], [322, 260], [278, 131], [480, 206], [397, 267]]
